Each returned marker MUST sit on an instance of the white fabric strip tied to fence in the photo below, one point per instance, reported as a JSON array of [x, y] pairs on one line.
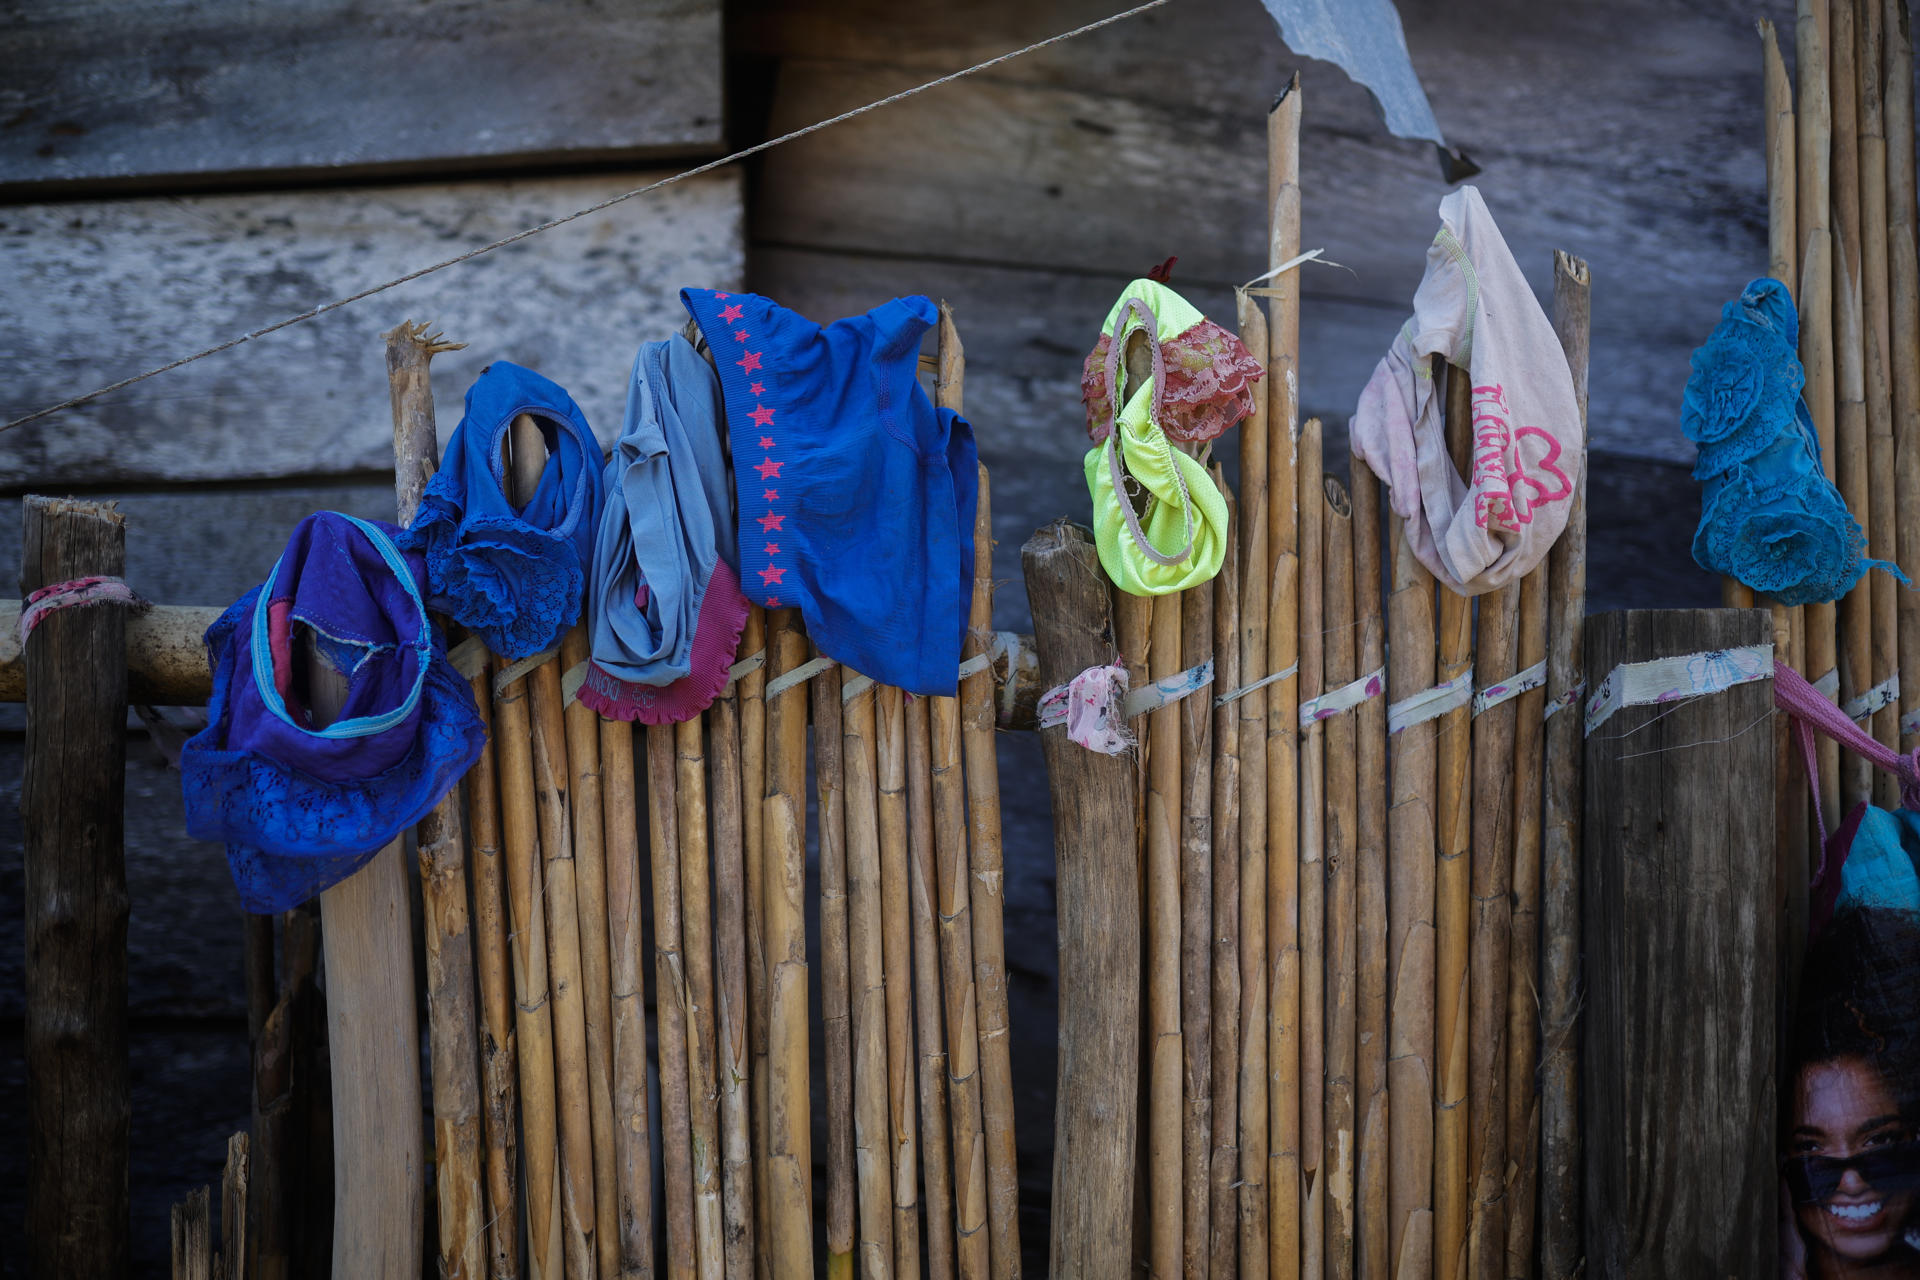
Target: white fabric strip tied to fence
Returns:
[[1884, 694], [1691, 675], [1345, 698], [1534, 677]]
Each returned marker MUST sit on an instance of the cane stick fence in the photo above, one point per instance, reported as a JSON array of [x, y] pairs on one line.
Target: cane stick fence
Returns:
[[1319, 976]]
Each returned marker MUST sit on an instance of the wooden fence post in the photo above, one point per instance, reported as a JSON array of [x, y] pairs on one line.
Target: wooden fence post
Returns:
[[1095, 1111], [1680, 933], [76, 901]]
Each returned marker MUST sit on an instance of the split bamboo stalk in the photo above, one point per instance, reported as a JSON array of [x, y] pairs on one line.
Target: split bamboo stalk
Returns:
[[498, 1092], [1224, 1163], [441, 844], [626, 990], [1904, 340], [1491, 936], [696, 942], [233, 1206], [753, 775], [1850, 421], [867, 980], [730, 939], [984, 852], [1453, 792], [1561, 1250], [890, 737], [1783, 245], [1164, 1041], [1249, 719], [956, 961], [1310, 1010], [784, 915], [935, 1139], [560, 892], [989, 930], [192, 1224], [1372, 1260], [1283, 589], [586, 792], [1132, 625], [1342, 816], [1195, 716], [1813, 216], [836, 1012], [670, 1010], [1410, 933], [1523, 977], [520, 834], [1876, 322]]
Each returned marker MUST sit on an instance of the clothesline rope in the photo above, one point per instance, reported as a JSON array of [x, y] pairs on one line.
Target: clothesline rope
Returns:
[[565, 218]]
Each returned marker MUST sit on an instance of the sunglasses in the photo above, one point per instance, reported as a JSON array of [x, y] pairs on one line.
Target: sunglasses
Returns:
[[1894, 1167]]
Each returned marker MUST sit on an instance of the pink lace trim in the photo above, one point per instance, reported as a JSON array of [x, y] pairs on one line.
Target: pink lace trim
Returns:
[[1209, 384]]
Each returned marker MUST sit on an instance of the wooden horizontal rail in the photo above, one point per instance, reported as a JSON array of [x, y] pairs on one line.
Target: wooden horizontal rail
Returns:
[[167, 663]]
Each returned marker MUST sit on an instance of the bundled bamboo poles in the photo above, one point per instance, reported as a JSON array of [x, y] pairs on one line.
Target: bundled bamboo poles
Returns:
[[632, 1130], [1850, 419], [1410, 924], [520, 838], [1284, 566], [1196, 938], [836, 1011], [1904, 341], [896, 893], [1370, 888], [985, 886], [1875, 340], [453, 1032], [670, 1013], [1523, 947], [1250, 724], [1561, 1254], [590, 875], [783, 916], [867, 983], [1341, 949], [1309, 1004], [1224, 1160], [730, 946], [697, 994], [935, 1137], [1813, 123], [1453, 798]]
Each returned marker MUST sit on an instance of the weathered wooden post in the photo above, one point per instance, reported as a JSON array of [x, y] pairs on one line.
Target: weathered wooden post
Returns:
[[76, 900], [1680, 933], [1099, 908]]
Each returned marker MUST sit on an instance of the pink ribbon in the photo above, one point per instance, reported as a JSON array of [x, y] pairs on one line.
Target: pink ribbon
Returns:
[[1811, 712], [1090, 706], [99, 589]]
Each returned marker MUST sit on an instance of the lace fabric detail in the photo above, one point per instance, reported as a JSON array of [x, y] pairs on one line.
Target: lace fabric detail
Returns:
[[290, 834], [515, 586], [1206, 387], [1769, 515]]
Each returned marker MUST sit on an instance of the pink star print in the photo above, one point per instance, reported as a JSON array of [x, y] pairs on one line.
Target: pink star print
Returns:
[[773, 602], [723, 296], [740, 335], [770, 495], [758, 388], [761, 415], [770, 523], [749, 362], [771, 574], [768, 469], [773, 549], [728, 314], [766, 442]]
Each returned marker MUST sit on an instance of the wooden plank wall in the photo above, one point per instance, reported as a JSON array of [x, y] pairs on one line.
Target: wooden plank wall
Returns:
[[173, 174], [183, 93], [1628, 131]]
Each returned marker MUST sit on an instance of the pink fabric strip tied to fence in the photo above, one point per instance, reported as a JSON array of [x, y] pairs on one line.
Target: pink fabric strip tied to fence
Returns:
[[1475, 309], [1794, 695]]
